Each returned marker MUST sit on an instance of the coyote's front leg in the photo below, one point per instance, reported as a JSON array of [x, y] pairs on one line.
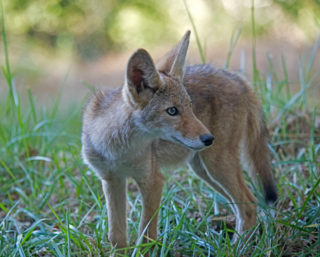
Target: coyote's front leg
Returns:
[[114, 189], [151, 189]]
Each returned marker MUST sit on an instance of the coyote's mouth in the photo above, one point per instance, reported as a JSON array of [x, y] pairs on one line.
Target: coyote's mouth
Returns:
[[188, 146]]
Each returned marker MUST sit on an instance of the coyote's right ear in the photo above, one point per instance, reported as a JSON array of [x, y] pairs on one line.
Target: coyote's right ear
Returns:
[[142, 79], [173, 62]]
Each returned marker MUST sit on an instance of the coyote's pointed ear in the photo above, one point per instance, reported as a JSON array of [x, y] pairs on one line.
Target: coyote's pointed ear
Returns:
[[142, 79], [173, 62]]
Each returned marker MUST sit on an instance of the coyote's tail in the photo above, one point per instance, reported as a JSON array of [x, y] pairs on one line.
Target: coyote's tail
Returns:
[[258, 153]]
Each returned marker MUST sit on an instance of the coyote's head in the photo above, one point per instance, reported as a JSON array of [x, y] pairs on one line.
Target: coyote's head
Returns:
[[162, 106]]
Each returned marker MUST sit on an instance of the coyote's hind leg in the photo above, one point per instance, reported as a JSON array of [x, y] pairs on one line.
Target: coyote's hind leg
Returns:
[[222, 172]]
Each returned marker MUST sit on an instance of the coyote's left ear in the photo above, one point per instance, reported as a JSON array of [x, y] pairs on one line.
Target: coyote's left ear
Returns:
[[173, 62], [142, 79]]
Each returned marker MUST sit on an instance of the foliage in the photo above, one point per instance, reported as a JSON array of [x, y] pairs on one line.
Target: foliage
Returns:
[[92, 28]]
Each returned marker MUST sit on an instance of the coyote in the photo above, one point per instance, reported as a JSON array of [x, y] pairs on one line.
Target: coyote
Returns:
[[169, 114]]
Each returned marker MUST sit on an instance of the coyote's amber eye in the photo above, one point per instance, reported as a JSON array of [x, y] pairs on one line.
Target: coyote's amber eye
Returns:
[[172, 111]]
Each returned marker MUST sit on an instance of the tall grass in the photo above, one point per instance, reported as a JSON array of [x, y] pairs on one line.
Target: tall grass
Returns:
[[52, 205]]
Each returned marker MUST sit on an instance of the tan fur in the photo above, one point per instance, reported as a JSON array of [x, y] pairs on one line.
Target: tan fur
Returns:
[[128, 133]]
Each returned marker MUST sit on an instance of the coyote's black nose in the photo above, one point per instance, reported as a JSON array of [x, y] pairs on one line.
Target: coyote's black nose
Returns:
[[207, 139]]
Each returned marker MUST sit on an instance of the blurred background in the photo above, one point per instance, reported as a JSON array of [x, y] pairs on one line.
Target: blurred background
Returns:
[[76, 43]]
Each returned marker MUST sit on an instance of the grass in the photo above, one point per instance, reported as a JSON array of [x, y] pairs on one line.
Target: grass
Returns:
[[53, 205]]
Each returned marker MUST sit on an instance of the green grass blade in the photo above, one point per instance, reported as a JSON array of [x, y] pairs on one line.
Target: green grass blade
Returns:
[[255, 73], [32, 105], [5, 166], [5, 43], [312, 57], [285, 79], [202, 56], [310, 194], [234, 39], [68, 234]]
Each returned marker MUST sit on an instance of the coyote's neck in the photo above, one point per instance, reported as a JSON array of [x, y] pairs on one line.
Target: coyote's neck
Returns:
[[121, 137]]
